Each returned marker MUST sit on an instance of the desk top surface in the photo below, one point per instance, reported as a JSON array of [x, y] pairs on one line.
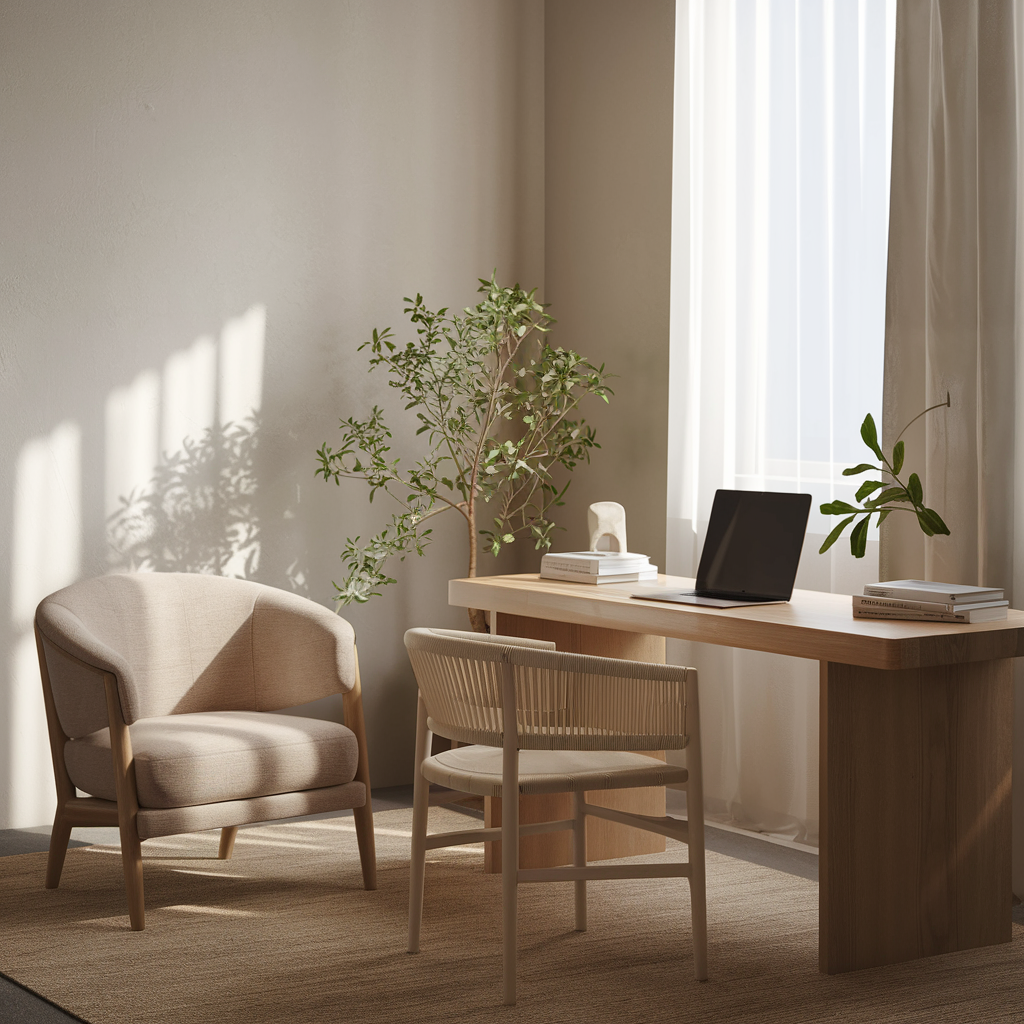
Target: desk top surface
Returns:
[[812, 625]]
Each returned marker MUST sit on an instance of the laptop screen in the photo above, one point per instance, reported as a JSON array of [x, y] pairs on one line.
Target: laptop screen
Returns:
[[753, 544]]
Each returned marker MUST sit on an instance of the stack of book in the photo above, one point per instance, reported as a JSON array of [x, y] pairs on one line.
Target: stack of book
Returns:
[[597, 567], [922, 601]]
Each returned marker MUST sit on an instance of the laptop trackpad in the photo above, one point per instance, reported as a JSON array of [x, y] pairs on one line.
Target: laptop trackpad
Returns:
[[689, 597]]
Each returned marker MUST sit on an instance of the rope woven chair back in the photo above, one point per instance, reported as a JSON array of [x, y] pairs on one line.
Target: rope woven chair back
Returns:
[[563, 701]]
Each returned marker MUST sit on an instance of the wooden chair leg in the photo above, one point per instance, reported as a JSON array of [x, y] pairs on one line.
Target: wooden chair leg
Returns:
[[60, 834], [579, 857], [367, 847], [695, 833], [698, 902], [420, 810], [227, 842], [127, 805], [509, 868], [353, 705], [131, 861]]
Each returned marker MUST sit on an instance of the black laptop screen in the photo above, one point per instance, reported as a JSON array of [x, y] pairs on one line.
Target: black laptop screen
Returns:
[[753, 544]]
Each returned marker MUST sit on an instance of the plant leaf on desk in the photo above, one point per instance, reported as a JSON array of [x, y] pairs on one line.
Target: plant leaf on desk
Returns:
[[935, 521], [890, 494], [859, 537], [877, 495], [869, 435], [837, 508], [914, 489], [897, 457], [834, 535], [868, 487]]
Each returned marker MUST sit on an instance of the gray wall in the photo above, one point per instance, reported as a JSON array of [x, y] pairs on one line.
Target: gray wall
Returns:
[[608, 196], [208, 207], [194, 189]]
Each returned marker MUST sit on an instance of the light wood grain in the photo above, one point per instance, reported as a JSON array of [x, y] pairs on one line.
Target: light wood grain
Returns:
[[127, 805], [915, 812], [227, 842], [352, 703], [606, 840], [915, 751], [812, 625]]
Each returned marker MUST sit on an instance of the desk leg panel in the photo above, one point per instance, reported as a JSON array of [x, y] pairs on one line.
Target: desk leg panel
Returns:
[[605, 839], [915, 777]]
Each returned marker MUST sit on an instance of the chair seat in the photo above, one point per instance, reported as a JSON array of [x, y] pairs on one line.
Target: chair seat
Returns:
[[214, 756], [477, 769]]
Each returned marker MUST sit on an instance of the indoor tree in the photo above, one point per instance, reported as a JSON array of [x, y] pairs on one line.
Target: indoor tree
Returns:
[[496, 405]]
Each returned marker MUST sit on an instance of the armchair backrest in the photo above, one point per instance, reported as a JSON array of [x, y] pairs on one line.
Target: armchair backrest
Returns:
[[180, 643], [562, 701]]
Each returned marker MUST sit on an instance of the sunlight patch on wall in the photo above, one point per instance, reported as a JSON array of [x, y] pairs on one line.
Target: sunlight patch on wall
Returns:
[[132, 437], [189, 394], [180, 457], [46, 556], [241, 365]]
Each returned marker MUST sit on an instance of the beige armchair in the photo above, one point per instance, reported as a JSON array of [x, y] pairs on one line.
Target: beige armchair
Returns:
[[160, 690]]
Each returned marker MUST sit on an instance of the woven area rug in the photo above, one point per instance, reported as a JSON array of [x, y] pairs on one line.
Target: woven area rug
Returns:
[[284, 932]]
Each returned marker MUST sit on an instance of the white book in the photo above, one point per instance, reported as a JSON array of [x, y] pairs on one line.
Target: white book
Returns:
[[903, 604], [990, 613], [597, 562], [943, 593], [642, 575]]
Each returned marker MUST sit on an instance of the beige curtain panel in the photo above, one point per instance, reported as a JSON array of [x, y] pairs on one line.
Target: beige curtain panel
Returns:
[[954, 310], [951, 320]]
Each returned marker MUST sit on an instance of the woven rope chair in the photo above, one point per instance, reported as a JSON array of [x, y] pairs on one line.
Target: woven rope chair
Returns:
[[561, 723]]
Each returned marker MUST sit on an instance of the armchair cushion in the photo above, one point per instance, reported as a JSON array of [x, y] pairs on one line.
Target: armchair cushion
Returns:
[[211, 757]]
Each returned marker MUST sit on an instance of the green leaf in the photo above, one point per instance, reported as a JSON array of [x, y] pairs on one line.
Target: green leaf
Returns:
[[868, 487], [864, 467], [883, 515], [914, 489], [935, 521], [889, 494], [834, 535], [897, 457], [926, 526], [837, 508], [859, 537], [869, 435]]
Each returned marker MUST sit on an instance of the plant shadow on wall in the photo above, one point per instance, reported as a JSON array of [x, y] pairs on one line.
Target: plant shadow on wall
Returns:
[[200, 512], [497, 405]]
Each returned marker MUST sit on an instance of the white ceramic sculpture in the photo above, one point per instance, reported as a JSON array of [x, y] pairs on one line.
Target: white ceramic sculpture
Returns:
[[607, 522]]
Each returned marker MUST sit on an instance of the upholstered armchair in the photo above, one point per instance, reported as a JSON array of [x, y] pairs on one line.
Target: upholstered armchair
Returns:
[[160, 693]]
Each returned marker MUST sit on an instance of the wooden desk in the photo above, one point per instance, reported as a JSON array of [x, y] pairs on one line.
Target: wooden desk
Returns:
[[916, 746]]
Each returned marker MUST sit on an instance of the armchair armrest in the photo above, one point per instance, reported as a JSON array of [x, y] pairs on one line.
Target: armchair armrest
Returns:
[[77, 660]]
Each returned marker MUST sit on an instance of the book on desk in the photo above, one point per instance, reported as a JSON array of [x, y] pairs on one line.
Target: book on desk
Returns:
[[596, 567], [923, 601]]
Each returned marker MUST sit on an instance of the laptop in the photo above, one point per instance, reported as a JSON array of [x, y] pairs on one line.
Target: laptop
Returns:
[[751, 552]]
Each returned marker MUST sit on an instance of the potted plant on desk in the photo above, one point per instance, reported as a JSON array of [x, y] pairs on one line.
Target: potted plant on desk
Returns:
[[497, 408], [880, 496]]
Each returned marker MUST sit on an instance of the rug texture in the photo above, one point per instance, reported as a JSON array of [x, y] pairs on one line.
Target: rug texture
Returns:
[[285, 932]]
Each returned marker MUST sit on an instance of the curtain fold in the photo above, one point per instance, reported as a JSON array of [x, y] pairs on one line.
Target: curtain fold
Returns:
[[780, 220], [952, 281], [953, 312]]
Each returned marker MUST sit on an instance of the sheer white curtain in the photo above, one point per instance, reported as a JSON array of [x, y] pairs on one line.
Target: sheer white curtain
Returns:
[[780, 221]]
